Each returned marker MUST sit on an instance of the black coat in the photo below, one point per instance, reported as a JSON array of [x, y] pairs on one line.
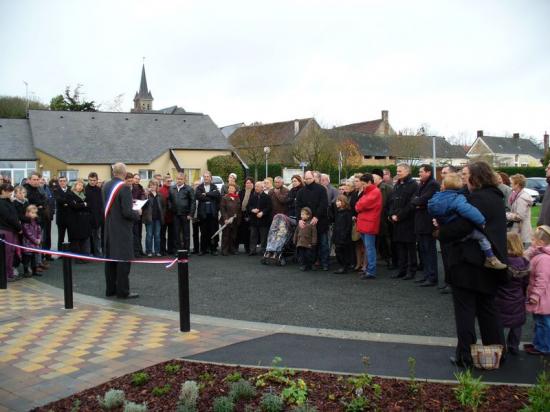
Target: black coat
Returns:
[[291, 202], [147, 211], [37, 197], [119, 237], [79, 220], [95, 204], [209, 202], [9, 219], [181, 202], [400, 204], [464, 259], [262, 202], [62, 205], [341, 234], [422, 220], [315, 197]]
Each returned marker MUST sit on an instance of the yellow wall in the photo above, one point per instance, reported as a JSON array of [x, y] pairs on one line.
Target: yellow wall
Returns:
[[196, 159]]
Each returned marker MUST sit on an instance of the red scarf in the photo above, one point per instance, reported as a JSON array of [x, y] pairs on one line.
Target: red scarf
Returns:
[[233, 195]]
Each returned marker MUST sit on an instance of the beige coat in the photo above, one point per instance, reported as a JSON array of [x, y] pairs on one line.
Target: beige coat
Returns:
[[520, 213]]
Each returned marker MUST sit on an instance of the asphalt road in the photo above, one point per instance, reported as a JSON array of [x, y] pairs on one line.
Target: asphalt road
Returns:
[[239, 287]]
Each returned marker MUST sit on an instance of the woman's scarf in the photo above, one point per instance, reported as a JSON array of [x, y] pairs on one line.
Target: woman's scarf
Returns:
[[233, 195], [246, 198], [81, 195]]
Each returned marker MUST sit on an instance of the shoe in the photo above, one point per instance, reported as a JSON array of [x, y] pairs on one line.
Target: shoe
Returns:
[[527, 346], [422, 280], [461, 363], [303, 268], [408, 277], [149, 255], [158, 255], [367, 276], [340, 271], [214, 253], [195, 252], [443, 287], [37, 273], [201, 253], [513, 351], [493, 263], [398, 276], [39, 270], [533, 351], [129, 296], [427, 283], [324, 268], [446, 290]]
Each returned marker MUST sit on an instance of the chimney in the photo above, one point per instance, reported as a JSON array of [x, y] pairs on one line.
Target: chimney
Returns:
[[296, 127], [516, 136], [480, 133], [385, 115], [545, 139]]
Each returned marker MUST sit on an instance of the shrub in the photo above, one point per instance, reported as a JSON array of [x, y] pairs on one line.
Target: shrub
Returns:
[[189, 394], [295, 392], [271, 403], [140, 378], [358, 404], [112, 399], [223, 165], [241, 390], [223, 404], [135, 407], [470, 391], [161, 390], [172, 369], [539, 395], [233, 377]]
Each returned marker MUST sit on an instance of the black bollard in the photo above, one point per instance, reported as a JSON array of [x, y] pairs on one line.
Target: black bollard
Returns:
[[183, 290], [3, 260], [67, 278]]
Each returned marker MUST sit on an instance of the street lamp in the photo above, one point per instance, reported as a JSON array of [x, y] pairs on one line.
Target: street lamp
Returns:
[[267, 150]]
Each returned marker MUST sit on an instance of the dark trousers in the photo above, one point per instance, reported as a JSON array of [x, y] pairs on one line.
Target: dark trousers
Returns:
[[306, 256], [229, 235], [61, 231], [46, 234], [428, 252], [344, 255], [244, 236], [95, 241], [513, 338], [196, 241], [137, 231], [182, 228], [29, 260], [258, 234], [406, 255], [117, 278], [468, 306], [383, 245], [167, 243], [208, 226]]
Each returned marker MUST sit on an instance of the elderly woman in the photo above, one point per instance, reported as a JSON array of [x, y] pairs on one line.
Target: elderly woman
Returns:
[[474, 286], [231, 179], [520, 209], [79, 220], [243, 235], [230, 215]]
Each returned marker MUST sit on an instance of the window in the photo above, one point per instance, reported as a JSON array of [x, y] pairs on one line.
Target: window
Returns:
[[71, 175], [192, 175], [17, 170], [146, 174]]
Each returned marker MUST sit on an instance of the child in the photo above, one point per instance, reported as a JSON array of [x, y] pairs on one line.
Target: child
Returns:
[[31, 238], [510, 298], [341, 235], [538, 291], [20, 202], [305, 239], [449, 204]]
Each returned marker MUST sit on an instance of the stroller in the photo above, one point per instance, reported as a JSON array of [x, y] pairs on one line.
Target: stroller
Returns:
[[279, 240]]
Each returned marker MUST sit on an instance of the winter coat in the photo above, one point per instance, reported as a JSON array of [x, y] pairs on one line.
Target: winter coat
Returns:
[[9, 219], [520, 213], [341, 234], [21, 209], [422, 220], [62, 205], [400, 205], [510, 298], [314, 196], [164, 191], [306, 236], [544, 217], [181, 202], [79, 222], [506, 191], [385, 225], [353, 199], [279, 200], [208, 201], [291, 202], [464, 260], [539, 280], [147, 211], [37, 197], [138, 192], [50, 201], [95, 203], [31, 234], [119, 237], [449, 205], [262, 202], [230, 207], [369, 209]]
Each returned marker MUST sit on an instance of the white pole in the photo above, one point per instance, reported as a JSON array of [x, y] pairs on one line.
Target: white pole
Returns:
[[27, 95], [434, 156]]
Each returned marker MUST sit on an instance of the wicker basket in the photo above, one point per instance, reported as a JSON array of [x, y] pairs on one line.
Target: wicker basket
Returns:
[[486, 357]]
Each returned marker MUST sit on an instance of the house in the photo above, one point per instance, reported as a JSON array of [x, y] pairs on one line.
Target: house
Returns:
[[230, 129], [378, 127], [17, 155], [374, 149], [505, 151]]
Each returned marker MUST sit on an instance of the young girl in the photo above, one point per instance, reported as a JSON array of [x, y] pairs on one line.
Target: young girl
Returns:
[[31, 238], [341, 235], [538, 291], [510, 298], [305, 240]]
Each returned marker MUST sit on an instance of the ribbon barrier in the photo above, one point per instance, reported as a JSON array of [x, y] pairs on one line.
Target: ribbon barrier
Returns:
[[183, 273]]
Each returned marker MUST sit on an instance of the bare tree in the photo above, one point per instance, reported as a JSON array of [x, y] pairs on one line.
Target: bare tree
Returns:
[[315, 148], [350, 154], [250, 146], [115, 105]]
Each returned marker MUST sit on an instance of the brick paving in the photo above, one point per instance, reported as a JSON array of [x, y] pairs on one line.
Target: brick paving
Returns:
[[47, 352]]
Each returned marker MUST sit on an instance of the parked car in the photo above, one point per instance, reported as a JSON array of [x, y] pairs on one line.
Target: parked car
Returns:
[[539, 184], [217, 180], [534, 195]]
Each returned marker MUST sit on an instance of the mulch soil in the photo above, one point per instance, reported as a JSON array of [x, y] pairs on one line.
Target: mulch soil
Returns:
[[327, 392]]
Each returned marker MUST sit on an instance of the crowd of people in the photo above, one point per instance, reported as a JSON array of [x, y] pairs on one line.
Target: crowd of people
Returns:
[[493, 260]]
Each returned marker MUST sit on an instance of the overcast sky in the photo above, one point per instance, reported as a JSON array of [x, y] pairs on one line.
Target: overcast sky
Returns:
[[458, 66]]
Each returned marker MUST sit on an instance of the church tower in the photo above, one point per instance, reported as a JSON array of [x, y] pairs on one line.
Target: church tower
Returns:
[[143, 101]]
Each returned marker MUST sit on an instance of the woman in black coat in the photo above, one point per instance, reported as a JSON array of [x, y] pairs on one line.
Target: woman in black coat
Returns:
[[475, 286], [79, 219], [243, 233], [297, 184]]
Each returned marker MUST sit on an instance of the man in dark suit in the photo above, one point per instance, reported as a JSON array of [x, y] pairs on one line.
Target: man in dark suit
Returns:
[[119, 221], [62, 209], [208, 198]]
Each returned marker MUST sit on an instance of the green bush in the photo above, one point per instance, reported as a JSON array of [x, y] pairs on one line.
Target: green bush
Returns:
[[539, 395], [223, 404], [241, 390], [135, 407], [112, 399], [470, 391], [223, 165], [140, 378], [271, 403], [189, 395], [161, 390], [172, 369], [526, 171]]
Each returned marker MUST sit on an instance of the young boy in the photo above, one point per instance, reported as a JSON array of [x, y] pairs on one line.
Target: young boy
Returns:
[[449, 204], [305, 240], [31, 238]]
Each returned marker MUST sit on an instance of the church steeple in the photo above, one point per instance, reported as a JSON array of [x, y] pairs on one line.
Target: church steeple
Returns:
[[143, 101]]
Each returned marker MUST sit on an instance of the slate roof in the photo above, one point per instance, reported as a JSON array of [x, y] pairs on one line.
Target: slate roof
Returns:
[[105, 138], [510, 145], [368, 127], [274, 133], [16, 140], [369, 145]]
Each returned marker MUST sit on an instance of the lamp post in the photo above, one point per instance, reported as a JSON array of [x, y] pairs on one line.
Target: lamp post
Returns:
[[267, 150]]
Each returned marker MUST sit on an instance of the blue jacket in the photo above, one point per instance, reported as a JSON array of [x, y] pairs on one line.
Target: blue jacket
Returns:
[[448, 205]]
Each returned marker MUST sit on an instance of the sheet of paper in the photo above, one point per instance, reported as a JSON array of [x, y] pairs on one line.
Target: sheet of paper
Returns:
[[138, 204]]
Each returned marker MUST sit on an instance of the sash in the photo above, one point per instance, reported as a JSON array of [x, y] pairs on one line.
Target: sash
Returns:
[[111, 198]]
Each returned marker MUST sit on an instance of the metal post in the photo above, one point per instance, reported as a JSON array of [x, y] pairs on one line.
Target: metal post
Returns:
[[3, 261], [67, 278], [434, 174], [183, 290]]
